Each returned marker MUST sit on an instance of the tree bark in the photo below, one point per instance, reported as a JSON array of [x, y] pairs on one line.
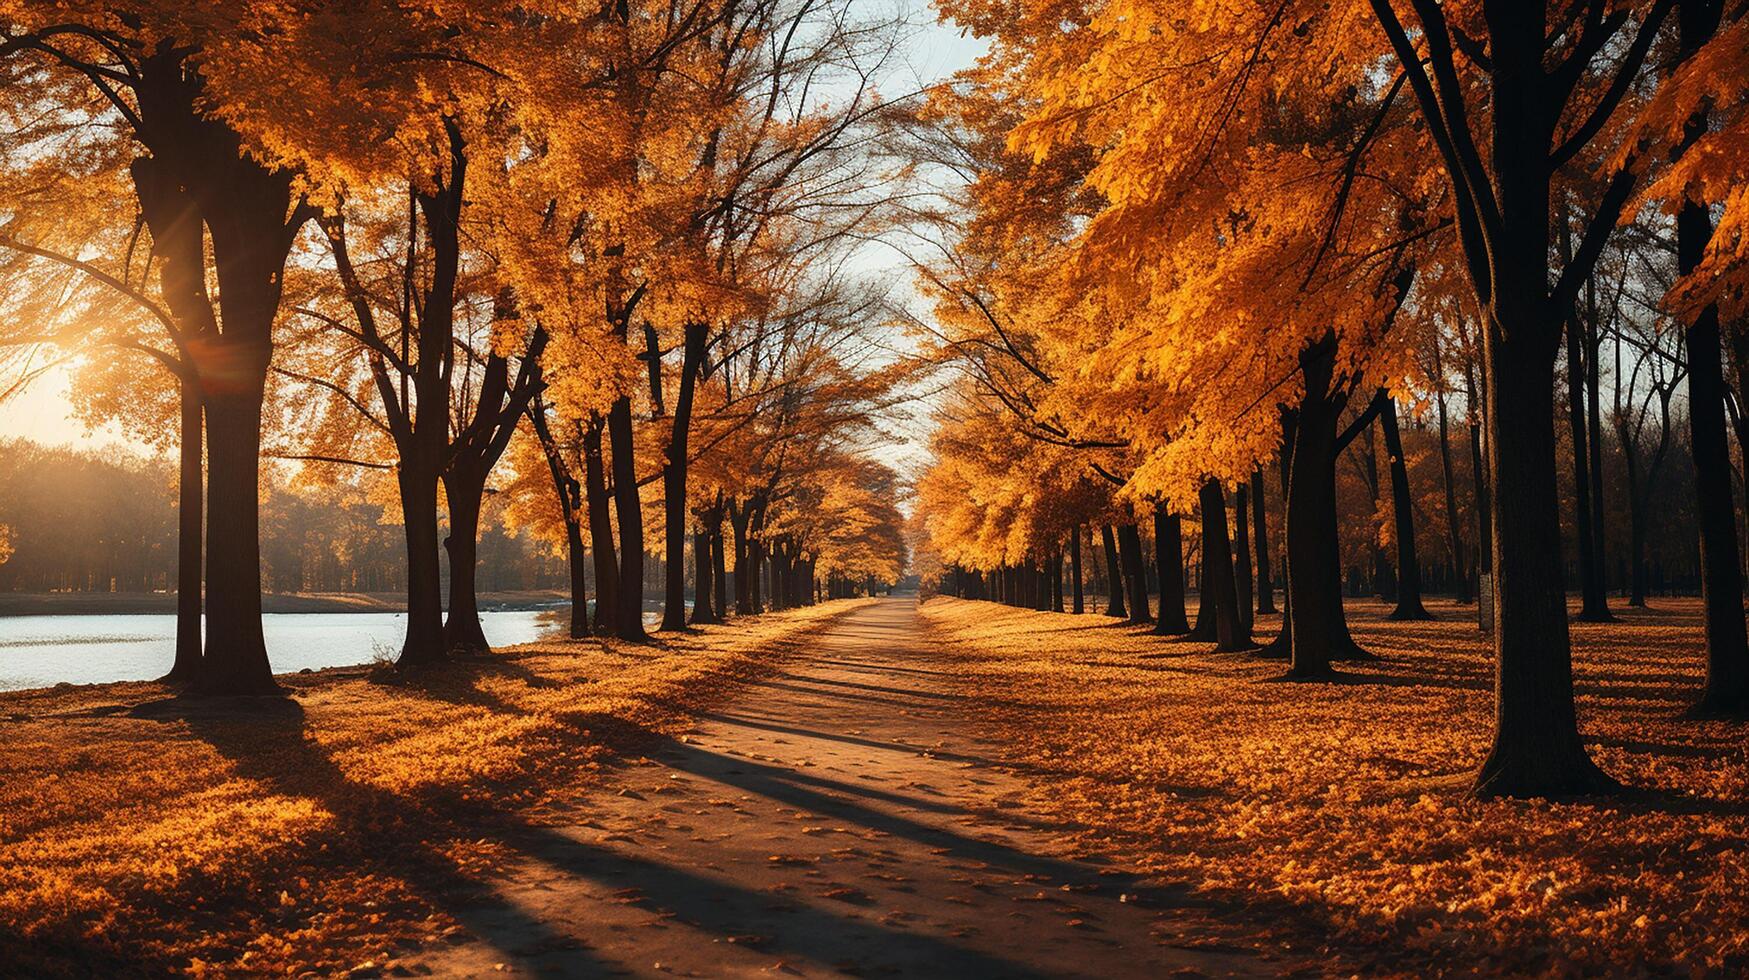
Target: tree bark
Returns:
[[702, 583], [674, 480], [424, 641], [1219, 584], [629, 509], [1409, 607], [1129, 544], [600, 530], [1079, 604], [1281, 648], [1454, 539], [1114, 588], [570, 497], [1314, 558], [190, 491], [462, 633], [1594, 606], [236, 652], [718, 567], [1169, 563], [1242, 553], [1260, 534]]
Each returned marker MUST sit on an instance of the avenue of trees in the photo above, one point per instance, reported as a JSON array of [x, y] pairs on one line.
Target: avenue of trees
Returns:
[[1213, 261], [585, 265]]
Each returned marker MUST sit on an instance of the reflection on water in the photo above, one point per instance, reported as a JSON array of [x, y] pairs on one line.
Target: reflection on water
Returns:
[[39, 651]]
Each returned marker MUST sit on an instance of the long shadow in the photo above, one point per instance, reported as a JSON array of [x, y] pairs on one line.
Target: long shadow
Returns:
[[879, 689], [819, 795], [1442, 682], [872, 743], [805, 930], [875, 667], [265, 739], [1665, 748]]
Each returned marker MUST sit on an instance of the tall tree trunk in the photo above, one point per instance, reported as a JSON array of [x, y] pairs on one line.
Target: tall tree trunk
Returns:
[[1727, 651], [570, 496], [756, 555], [1242, 553], [466, 490], [236, 652], [629, 509], [1281, 648], [1454, 537], [674, 479], [1537, 750], [1480, 476], [1260, 534], [1129, 545], [1384, 577], [418, 484], [1079, 605], [600, 531], [1114, 588], [190, 489], [739, 517], [1169, 563], [719, 569], [702, 583], [1314, 558], [1219, 584], [1595, 444], [1409, 605], [1594, 605]]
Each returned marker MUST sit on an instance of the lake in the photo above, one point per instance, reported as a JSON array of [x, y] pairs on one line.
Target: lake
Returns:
[[41, 651]]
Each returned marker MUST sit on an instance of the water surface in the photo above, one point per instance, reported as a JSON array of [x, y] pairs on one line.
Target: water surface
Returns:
[[40, 651]]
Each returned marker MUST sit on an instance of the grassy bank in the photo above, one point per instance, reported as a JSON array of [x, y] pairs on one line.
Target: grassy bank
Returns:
[[142, 834], [1335, 814]]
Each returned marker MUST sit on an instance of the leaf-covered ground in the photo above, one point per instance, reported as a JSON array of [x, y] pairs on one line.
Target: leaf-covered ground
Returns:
[[142, 834], [1337, 812]]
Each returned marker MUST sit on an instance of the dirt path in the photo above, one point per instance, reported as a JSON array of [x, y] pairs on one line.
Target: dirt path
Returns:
[[838, 820]]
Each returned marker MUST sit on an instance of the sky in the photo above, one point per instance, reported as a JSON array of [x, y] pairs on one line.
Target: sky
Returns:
[[42, 412]]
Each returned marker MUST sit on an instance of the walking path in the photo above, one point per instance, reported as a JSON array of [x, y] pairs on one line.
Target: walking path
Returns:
[[838, 820]]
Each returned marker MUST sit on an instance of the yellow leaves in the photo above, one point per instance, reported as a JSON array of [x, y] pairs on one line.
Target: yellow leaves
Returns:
[[138, 853]]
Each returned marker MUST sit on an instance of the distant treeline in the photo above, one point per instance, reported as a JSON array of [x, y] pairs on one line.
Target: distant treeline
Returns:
[[105, 521]]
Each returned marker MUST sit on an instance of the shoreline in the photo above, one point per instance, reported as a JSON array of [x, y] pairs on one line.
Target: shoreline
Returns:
[[164, 603]]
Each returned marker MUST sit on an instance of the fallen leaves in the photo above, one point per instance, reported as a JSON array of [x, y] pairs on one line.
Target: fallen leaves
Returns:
[[312, 839], [1337, 812]]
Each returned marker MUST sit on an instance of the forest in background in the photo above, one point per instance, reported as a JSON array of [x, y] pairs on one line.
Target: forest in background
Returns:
[[105, 521]]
